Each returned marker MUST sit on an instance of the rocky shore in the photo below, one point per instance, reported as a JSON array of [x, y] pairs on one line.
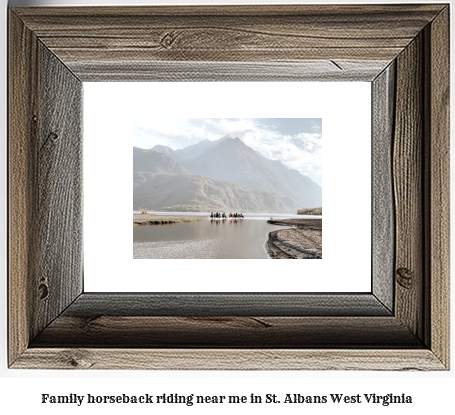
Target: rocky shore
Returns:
[[303, 241], [142, 219]]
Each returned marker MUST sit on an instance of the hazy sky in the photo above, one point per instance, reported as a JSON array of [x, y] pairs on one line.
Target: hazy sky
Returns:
[[297, 142]]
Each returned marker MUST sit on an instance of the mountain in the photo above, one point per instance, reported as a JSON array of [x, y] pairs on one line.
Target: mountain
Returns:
[[305, 190], [192, 193], [164, 150], [161, 183], [224, 175], [196, 150], [231, 159], [151, 161]]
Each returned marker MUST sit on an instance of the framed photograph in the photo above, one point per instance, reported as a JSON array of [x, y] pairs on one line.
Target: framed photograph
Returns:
[[386, 201]]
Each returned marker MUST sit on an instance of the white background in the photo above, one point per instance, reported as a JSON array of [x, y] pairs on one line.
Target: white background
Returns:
[[109, 112], [20, 390]]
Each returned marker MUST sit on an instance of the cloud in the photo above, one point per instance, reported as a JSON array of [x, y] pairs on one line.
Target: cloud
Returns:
[[295, 142]]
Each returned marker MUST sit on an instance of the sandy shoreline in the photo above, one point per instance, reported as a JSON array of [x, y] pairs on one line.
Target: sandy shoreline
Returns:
[[151, 219], [302, 242]]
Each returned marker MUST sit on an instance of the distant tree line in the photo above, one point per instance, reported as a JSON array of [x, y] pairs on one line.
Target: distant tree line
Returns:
[[314, 211]]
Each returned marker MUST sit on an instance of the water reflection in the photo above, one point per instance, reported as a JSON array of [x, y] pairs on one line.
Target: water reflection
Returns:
[[224, 220], [208, 238]]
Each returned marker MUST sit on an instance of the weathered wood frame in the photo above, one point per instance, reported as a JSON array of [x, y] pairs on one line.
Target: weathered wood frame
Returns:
[[403, 50]]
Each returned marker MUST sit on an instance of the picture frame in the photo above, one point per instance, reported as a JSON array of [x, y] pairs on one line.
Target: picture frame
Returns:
[[403, 324]]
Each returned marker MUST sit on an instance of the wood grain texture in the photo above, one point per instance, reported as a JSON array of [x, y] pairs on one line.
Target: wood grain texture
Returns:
[[228, 34], [382, 203], [58, 209], [22, 97], [408, 192], [438, 212], [257, 332], [308, 71], [213, 305], [230, 359]]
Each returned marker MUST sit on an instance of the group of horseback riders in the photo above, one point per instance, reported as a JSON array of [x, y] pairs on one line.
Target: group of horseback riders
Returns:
[[223, 215]]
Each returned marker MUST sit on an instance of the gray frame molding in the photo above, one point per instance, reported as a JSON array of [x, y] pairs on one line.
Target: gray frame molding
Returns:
[[403, 50]]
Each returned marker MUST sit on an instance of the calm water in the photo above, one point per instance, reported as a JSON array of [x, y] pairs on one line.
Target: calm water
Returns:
[[207, 238]]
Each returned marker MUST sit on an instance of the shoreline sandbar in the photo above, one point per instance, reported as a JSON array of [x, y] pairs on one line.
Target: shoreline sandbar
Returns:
[[143, 219], [303, 241]]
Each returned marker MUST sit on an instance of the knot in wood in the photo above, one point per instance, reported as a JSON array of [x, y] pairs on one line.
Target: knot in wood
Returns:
[[53, 136], [168, 40], [405, 278], [77, 359], [43, 291]]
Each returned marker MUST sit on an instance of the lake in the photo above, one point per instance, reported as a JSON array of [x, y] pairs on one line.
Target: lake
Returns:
[[207, 238]]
